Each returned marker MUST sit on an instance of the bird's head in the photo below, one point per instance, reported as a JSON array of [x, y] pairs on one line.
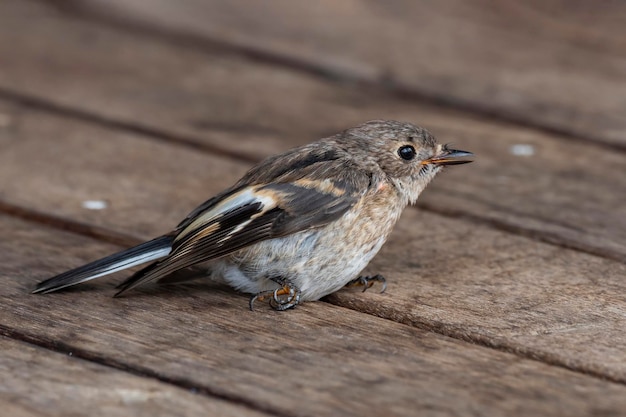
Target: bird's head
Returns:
[[408, 155]]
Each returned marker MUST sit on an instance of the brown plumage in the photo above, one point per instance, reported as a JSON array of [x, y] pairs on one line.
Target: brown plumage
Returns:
[[299, 225]]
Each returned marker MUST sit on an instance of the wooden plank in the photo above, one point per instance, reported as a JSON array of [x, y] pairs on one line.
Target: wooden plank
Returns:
[[73, 162], [237, 106], [455, 276], [551, 64], [38, 382], [319, 359], [502, 291]]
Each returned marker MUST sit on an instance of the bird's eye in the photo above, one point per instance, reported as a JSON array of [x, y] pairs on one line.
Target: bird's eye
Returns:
[[407, 152]]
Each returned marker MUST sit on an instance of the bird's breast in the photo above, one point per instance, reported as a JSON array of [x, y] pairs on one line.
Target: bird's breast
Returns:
[[322, 260]]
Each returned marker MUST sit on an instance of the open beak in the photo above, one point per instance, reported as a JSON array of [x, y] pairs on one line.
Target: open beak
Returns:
[[450, 157]]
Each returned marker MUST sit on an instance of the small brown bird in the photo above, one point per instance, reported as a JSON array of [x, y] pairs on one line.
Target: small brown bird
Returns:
[[298, 226]]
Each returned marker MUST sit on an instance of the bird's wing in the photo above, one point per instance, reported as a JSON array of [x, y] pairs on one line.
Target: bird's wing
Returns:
[[252, 214], [317, 159]]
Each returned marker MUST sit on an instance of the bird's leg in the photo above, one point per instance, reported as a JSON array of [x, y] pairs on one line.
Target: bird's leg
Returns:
[[367, 281], [280, 299]]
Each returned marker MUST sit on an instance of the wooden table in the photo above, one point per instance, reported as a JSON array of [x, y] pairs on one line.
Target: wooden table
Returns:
[[507, 283]]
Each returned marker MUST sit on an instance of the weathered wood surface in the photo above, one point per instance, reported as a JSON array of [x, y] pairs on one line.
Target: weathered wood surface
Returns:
[[222, 102], [317, 360], [557, 64], [154, 123], [38, 382], [456, 277]]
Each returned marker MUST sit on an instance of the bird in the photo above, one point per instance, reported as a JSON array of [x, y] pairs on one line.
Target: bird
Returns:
[[296, 227]]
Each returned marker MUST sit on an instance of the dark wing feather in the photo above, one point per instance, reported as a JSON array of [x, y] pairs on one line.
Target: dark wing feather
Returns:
[[312, 159], [281, 209], [207, 205], [307, 208], [196, 246], [322, 159]]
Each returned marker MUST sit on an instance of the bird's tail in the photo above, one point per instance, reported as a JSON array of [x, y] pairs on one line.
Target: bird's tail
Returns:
[[145, 252]]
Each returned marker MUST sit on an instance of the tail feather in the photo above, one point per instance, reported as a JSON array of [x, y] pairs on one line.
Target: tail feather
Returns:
[[134, 279], [140, 254]]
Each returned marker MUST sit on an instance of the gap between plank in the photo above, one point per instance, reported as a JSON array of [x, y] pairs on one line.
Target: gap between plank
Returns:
[[182, 383], [96, 232], [103, 234], [138, 129], [156, 134], [551, 238], [490, 343], [331, 74]]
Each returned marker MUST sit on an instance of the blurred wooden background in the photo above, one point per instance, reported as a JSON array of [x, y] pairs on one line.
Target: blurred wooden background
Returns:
[[506, 283]]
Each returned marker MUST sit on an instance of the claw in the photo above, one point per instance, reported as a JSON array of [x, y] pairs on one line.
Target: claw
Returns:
[[259, 296], [277, 300], [367, 281]]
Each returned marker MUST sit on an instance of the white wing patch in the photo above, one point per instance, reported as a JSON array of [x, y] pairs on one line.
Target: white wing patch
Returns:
[[246, 196]]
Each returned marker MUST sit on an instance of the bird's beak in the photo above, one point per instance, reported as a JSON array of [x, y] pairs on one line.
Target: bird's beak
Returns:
[[450, 157]]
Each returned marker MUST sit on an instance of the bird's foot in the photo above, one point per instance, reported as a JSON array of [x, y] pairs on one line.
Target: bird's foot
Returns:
[[284, 298], [367, 281]]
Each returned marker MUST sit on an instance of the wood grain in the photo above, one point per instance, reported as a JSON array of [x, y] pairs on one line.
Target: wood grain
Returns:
[[555, 64], [476, 320], [317, 360], [567, 192], [455, 276], [38, 382]]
